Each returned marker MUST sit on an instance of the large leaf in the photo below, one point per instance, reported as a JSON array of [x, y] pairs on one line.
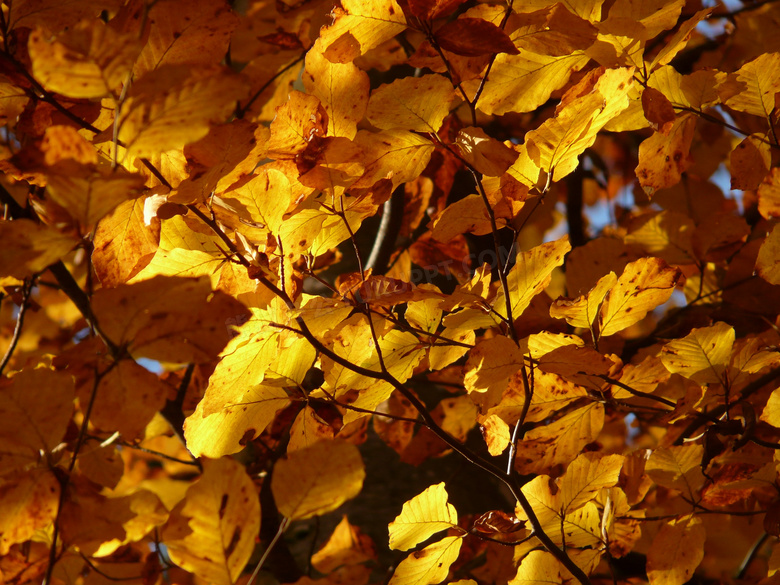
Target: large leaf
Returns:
[[318, 479], [422, 517], [212, 531]]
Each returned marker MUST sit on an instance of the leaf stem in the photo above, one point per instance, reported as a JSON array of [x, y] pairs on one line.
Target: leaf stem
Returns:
[[26, 291]]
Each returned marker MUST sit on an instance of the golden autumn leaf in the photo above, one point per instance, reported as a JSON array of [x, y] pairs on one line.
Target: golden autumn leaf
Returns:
[[750, 162], [360, 26], [677, 468], [490, 365], [213, 530], [342, 89], [346, 546], [35, 409], [663, 158], [530, 275], [536, 568], [546, 449], [422, 517], [489, 156], [173, 106], [586, 475], [430, 565], [167, 318], [90, 60], [556, 145], [414, 103], [702, 355], [752, 89], [676, 551], [29, 503], [768, 261], [29, 247], [89, 195], [318, 479], [644, 284], [582, 311]]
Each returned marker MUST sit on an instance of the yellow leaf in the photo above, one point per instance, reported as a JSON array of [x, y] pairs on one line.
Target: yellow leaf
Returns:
[[490, 365], [361, 25], [196, 32], [521, 83], [530, 275], [396, 154], [13, 101], [582, 311], [557, 444], [35, 407], [496, 434], [677, 468], [90, 60], [171, 107], [467, 215], [441, 356], [702, 355], [668, 235], [346, 546], [679, 39], [232, 425], [342, 89], [644, 284], [419, 104], [768, 261], [317, 480], [556, 145], [301, 118], [663, 158], [422, 517], [654, 16], [538, 568], [29, 503], [124, 244], [166, 318], [212, 532], [430, 565], [677, 550], [755, 86], [148, 512], [489, 156], [586, 476], [88, 195], [30, 247]]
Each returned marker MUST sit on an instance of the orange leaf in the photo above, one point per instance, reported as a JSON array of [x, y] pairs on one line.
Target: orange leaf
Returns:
[[663, 158]]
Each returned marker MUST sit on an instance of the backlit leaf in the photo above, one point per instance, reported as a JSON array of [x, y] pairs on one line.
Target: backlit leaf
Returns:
[[359, 26], [29, 247], [702, 355], [755, 86], [677, 550], [430, 565], [413, 103], [29, 503], [316, 480], [167, 318], [212, 531], [473, 37], [768, 261], [89, 61], [663, 158], [644, 284], [422, 517], [538, 568], [677, 468], [171, 107]]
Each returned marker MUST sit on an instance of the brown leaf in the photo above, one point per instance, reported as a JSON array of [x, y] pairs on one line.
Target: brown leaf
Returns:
[[658, 110], [473, 37]]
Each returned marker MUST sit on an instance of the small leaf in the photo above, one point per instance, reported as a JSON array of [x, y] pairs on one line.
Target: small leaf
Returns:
[[677, 468], [317, 480], [658, 110], [663, 158], [422, 517], [473, 37], [768, 261]]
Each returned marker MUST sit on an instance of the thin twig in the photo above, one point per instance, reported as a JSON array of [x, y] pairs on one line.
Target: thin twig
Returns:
[[282, 527], [26, 291]]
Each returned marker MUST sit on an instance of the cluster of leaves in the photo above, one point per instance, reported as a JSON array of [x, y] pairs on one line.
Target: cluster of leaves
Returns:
[[280, 207]]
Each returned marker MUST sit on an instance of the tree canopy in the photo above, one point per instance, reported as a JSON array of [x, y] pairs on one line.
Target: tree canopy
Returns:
[[397, 292]]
